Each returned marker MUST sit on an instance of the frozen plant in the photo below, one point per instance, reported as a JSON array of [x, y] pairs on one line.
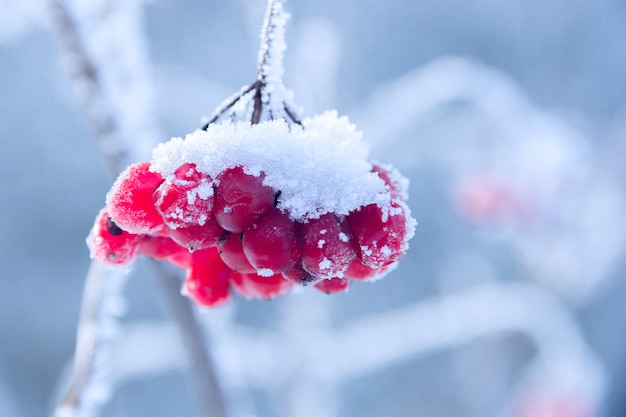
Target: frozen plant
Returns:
[[260, 200]]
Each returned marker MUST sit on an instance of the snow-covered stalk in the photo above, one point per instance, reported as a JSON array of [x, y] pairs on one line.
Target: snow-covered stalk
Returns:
[[266, 98], [111, 80], [89, 386]]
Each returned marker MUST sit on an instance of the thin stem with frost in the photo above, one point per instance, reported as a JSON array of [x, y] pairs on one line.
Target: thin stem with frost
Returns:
[[266, 98], [121, 135]]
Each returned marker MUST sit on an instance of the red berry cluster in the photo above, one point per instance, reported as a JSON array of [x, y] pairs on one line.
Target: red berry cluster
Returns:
[[230, 235]]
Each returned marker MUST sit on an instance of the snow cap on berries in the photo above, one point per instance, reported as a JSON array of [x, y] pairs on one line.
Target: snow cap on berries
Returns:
[[319, 168]]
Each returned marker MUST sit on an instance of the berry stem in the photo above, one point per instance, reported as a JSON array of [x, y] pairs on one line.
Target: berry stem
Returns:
[[266, 98]]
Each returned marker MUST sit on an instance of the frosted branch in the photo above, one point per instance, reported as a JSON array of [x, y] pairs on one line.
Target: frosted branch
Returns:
[[102, 304], [266, 98], [102, 42]]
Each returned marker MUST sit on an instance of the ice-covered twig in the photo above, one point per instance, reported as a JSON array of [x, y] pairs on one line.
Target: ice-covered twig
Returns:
[[328, 357], [266, 98], [103, 44], [89, 386]]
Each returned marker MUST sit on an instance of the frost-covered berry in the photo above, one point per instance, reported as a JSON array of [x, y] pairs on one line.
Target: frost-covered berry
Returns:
[[299, 276], [381, 234], [396, 184], [241, 199], [208, 279], [256, 286], [230, 248], [271, 245], [358, 271], [130, 201], [110, 244], [186, 199], [164, 248], [197, 237], [333, 285], [327, 246]]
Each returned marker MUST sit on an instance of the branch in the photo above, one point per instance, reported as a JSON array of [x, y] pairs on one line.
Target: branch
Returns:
[[266, 98], [89, 384], [111, 80]]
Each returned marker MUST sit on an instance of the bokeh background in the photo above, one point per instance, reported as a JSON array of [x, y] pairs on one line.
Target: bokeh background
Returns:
[[509, 119]]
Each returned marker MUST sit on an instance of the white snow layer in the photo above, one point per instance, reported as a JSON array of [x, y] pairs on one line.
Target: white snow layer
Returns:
[[319, 167]]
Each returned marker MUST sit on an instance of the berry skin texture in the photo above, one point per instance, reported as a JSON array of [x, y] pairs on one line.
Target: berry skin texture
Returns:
[[241, 199], [207, 281], [358, 271], [164, 248], [255, 286], [110, 244], [327, 246], [333, 285], [299, 276], [197, 237], [186, 199], [380, 235], [271, 245], [130, 201], [230, 249]]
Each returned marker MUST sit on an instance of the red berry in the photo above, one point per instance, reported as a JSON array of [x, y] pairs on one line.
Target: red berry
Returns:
[[130, 200], [230, 249], [241, 199], [110, 244], [327, 246], [333, 285], [361, 272], [380, 234], [255, 286], [395, 182], [207, 281], [271, 245], [299, 276], [164, 248], [186, 199], [198, 237]]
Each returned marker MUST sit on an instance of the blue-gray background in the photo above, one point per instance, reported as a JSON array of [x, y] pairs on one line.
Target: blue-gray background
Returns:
[[568, 56]]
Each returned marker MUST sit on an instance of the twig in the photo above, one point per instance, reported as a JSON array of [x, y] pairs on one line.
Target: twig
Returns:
[[92, 332], [114, 137], [268, 88]]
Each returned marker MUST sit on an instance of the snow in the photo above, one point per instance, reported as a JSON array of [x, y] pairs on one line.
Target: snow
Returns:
[[264, 272], [319, 167]]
